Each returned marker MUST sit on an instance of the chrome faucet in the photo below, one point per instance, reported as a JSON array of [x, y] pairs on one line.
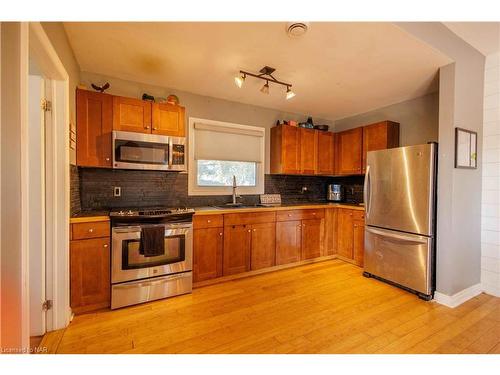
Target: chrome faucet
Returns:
[[234, 190]]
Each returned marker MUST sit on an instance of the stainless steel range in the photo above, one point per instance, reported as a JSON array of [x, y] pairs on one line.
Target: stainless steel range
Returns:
[[136, 277]]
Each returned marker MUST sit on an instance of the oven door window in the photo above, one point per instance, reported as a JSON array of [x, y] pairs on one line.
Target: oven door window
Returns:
[[174, 253], [141, 152]]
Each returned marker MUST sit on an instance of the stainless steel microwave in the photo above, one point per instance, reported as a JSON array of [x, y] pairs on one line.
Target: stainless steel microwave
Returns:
[[148, 151]]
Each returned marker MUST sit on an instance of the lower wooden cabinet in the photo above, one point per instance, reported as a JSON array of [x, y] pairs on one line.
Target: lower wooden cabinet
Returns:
[[89, 274], [263, 251], [330, 231], [288, 241], [312, 239], [237, 241], [350, 235], [207, 255]]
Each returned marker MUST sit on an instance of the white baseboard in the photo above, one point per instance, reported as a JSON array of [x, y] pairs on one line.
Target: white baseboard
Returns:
[[491, 290], [458, 298]]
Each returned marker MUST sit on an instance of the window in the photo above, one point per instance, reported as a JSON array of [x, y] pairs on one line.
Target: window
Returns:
[[218, 151]]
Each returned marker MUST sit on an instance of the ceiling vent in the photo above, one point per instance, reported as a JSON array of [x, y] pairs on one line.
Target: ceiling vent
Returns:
[[297, 29]]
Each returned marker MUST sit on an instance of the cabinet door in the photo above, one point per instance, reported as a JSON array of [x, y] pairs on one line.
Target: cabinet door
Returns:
[[131, 115], [326, 155], [312, 238], [168, 119], [207, 253], [330, 243], [237, 239], [345, 233], [358, 242], [288, 241], [89, 274], [349, 149], [308, 150], [263, 253], [94, 123], [379, 136]]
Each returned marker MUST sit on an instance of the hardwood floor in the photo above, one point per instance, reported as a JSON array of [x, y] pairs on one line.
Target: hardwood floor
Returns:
[[326, 307]]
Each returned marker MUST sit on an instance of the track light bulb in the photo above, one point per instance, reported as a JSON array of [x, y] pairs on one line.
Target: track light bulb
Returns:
[[289, 93], [265, 88], [239, 80]]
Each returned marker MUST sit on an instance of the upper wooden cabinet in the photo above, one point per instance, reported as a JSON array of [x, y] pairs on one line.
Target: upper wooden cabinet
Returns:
[[168, 119], [308, 141], [349, 144], [285, 150], [379, 136], [325, 153], [131, 115], [94, 123]]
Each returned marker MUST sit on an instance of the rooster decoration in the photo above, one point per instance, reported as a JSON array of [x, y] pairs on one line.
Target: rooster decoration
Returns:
[[100, 88]]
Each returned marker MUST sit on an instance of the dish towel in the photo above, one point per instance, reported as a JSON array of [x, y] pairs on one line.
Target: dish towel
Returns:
[[152, 241]]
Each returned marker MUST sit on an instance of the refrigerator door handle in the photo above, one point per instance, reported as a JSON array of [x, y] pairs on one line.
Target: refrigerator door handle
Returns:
[[367, 192], [399, 238]]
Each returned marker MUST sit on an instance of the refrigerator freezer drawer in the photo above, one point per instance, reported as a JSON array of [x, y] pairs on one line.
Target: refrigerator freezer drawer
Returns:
[[134, 292], [405, 259]]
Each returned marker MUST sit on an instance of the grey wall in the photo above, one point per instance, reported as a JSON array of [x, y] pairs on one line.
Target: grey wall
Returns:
[[459, 190], [204, 106], [418, 119]]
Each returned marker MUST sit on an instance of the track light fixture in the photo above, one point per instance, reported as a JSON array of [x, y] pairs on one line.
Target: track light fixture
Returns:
[[266, 74]]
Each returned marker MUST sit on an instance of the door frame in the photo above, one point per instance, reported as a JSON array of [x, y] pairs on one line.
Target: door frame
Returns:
[[57, 178]]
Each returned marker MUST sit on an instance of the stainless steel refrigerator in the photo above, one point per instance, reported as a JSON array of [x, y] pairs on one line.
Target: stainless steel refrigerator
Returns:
[[400, 204]]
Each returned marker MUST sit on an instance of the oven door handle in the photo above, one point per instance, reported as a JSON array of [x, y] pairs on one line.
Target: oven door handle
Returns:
[[151, 283]]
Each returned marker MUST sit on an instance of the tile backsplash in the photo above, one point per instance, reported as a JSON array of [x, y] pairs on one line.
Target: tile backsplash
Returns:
[[92, 189]]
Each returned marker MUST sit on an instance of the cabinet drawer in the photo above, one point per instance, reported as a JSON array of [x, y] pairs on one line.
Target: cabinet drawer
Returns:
[[358, 215], [249, 218], [82, 231], [290, 215], [207, 221]]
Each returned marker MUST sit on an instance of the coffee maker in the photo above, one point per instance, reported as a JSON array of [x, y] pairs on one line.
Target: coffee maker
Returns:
[[335, 193]]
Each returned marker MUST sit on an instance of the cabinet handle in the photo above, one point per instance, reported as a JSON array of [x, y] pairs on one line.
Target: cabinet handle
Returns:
[[91, 230], [105, 245]]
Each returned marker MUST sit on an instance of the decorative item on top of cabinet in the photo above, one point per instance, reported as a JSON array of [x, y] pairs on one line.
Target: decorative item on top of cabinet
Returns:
[[349, 144], [168, 119], [132, 115], [89, 266], [308, 140], [326, 153], [94, 124], [285, 150], [379, 136]]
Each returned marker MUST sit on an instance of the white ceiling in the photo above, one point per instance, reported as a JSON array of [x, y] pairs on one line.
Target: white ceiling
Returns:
[[337, 69], [483, 36]]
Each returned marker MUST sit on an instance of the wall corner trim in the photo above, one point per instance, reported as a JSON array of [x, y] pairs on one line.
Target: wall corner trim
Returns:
[[458, 298]]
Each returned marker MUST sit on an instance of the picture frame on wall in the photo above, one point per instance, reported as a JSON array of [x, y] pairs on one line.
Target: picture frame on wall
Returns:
[[465, 149]]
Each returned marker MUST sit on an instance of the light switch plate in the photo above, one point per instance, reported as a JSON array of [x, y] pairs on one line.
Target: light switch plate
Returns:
[[117, 191]]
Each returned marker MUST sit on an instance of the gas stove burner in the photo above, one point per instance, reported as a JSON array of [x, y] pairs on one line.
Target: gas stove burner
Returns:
[[152, 212]]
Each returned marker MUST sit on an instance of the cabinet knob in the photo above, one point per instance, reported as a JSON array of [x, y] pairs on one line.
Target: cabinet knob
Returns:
[[105, 245], [220, 234], [303, 225], [155, 128], [289, 215], [350, 213], [209, 221], [355, 225], [314, 213], [91, 230], [146, 127], [107, 159], [249, 231], [255, 230]]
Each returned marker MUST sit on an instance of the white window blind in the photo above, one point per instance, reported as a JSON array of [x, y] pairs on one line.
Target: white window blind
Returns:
[[226, 142]]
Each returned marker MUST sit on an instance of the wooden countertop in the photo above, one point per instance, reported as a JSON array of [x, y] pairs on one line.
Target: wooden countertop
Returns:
[[214, 210]]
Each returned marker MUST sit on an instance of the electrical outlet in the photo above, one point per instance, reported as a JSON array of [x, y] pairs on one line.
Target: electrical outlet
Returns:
[[117, 191]]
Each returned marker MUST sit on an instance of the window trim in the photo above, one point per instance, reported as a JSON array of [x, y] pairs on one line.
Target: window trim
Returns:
[[195, 189]]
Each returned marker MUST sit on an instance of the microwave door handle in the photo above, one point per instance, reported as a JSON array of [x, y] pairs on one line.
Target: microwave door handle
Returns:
[[367, 191]]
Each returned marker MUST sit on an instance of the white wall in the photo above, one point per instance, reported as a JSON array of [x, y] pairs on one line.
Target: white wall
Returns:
[[490, 215]]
